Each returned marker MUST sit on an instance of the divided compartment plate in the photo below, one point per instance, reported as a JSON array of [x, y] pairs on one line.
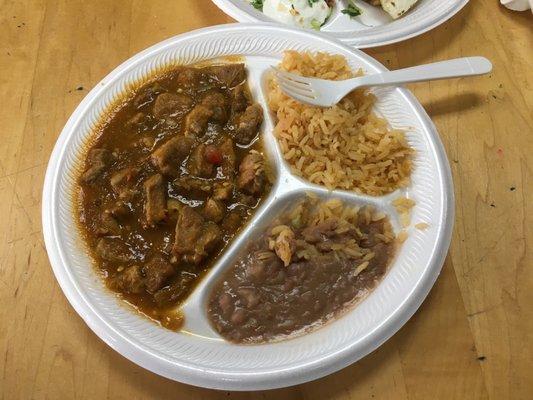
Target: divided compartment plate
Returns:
[[372, 29], [199, 356]]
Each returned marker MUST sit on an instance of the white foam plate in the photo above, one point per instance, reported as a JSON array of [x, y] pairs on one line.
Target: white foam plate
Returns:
[[200, 356], [373, 28]]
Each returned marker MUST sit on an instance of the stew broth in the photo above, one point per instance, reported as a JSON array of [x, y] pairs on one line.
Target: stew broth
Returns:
[[171, 178]]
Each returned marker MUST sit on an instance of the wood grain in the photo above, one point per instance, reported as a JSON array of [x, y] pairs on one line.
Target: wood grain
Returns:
[[471, 339]]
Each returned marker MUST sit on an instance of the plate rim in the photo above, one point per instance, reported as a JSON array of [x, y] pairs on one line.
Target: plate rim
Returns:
[[239, 15], [215, 379]]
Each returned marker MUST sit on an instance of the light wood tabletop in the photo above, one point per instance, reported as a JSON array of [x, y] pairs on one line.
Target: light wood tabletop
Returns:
[[471, 339]]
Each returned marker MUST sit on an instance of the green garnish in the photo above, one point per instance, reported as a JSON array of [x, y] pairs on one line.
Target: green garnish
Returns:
[[315, 24], [352, 10], [257, 4], [310, 2]]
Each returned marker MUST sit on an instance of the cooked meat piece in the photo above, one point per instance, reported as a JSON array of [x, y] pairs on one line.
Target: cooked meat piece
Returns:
[[198, 164], [222, 190], [155, 200], [147, 95], [197, 120], [239, 100], [232, 222], [108, 225], [97, 161], [112, 249], [320, 232], [210, 238], [188, 77], [228, 157], [214, 210], [177, 290], [146, 142], [157, 272], [119, 209], [169, 156], [195, 237], [213, 107], [217, 103], [123, 180], [247, 124], [191, 183], [188, 230], [251, 177], [136, 119], [173, 208], [229, 75], [130, 280], [171, 105], [247, 200]]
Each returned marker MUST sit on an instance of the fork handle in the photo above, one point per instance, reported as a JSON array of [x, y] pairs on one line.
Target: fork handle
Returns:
[[456, 68]]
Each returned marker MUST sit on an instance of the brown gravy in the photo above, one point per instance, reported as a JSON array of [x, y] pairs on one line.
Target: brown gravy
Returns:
[[172, 176]]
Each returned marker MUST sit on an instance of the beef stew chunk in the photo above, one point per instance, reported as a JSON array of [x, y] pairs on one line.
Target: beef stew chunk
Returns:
[[218, 104], [172, 105], [155, 200], [197, 120], [229, 75], [157, 271], [112, 249], [214, 210], [247, 124], [130, 280], [97, 162], [239, 100], [195, 237], [252, 176], [199, 163], [313, 263], [123, 181], [159, 197], [168, 157]]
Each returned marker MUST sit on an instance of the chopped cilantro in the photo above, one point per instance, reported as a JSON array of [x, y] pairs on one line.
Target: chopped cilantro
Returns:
[[257, 4], [352, 10]]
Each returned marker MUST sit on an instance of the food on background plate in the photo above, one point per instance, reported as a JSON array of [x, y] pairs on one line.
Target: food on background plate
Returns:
[[171, 176], [395, 8], [312, 264], [346, 146], [313, 14], [310, 14]]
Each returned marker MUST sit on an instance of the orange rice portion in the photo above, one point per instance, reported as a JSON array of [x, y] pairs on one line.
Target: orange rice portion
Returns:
[[341, 147]]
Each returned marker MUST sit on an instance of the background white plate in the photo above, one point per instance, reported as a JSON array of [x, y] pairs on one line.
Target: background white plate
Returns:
[[374, 28], [201, 357]]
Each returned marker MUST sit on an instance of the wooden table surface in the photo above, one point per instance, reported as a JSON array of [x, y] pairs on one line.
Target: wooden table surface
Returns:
[[471, 339]]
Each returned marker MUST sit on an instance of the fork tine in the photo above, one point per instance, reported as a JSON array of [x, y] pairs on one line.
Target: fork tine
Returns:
[[291, 84], [293, 77], [302, 99], [291, 90], [286, 76]]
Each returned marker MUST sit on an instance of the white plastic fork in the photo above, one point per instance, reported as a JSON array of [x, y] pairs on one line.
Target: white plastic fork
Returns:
[[324, 93]]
